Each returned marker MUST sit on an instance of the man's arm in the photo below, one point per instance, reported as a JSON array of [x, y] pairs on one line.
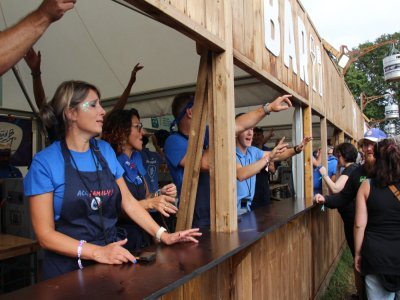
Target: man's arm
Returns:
[[251, 119], [16, 41]]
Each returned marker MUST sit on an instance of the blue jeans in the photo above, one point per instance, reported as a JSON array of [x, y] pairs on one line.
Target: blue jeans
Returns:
[[375, 289]]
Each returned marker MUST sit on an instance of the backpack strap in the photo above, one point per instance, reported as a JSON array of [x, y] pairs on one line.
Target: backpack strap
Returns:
[[395, 191]]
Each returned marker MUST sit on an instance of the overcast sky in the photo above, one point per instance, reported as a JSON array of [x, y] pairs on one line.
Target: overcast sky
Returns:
[[353, 22]]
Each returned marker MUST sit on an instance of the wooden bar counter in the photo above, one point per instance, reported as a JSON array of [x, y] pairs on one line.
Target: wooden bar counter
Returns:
[[213, 268]]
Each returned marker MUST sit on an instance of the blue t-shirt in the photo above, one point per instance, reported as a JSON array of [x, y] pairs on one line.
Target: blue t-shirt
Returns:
[[133, 167], [175, 149], [246, 188], [151, 161], [317, 178], [47, 171]]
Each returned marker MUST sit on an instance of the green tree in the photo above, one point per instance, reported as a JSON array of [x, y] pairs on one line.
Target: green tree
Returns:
[[366, 75]]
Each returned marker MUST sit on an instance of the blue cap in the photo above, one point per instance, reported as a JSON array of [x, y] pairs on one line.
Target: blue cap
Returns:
[[374, 135]]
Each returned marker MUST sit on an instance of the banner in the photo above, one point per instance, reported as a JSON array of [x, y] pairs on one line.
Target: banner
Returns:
[[17, 133]]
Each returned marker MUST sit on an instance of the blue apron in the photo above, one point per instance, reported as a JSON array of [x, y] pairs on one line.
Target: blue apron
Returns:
[[81, 217], [137, 237]]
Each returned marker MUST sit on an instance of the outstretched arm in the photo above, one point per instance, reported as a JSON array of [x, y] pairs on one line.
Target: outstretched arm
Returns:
[[33, 60], [16, 41], [251, 119], [292, 151], [125, 95]]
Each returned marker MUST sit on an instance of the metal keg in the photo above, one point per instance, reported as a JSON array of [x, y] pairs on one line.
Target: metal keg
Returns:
[[390, 129], [391, 111], [391, 67]]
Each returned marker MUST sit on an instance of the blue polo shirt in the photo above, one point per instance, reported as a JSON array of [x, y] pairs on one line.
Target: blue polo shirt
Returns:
[[246, 188], [317, 178], [175, 149]]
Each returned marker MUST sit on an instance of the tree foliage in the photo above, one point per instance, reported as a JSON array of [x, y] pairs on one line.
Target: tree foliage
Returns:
[[366, 75]]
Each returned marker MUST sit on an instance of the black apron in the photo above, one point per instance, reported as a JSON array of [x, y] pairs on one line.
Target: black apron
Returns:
[[137, 237], [80, 216]]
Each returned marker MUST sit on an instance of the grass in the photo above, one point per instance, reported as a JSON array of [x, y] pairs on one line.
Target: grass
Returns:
[[341, 285]]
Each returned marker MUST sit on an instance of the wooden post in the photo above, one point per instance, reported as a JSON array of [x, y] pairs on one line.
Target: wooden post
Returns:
[[195, 149], [222, 118], [324, 151], [308, 166]]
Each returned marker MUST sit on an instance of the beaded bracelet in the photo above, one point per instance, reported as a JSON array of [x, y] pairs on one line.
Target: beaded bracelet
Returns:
[[80, 246]]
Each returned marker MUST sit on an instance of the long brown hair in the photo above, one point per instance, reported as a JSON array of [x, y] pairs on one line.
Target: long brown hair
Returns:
[[387, 167]]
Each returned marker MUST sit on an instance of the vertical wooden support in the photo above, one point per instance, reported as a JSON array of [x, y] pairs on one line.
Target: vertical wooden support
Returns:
[[222, 118], [195, 148], [340, 137], [324, 151], [308, 166]]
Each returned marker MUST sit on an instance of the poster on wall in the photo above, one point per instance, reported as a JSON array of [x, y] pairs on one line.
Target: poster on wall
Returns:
[[16, 133]]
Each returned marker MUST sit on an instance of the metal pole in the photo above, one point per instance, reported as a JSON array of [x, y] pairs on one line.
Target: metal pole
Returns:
[[22, 86]]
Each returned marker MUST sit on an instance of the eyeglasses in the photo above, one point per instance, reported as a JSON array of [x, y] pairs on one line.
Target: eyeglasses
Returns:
[[139, 126]]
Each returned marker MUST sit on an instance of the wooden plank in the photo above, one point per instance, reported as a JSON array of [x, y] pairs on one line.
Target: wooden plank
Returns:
[[308, 169], [238, 26], [324, 151], [169, 15], [248, 22], [195, 149], [212, 17], [223, 120], [258, 32], [196, 14]]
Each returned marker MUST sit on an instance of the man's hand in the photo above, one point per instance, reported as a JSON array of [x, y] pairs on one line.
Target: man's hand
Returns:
[[280, 103], [53, 10], [304, 142], [280, 148]]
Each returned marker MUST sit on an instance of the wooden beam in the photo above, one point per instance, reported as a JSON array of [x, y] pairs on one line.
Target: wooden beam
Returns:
[[324, 151], [167, 14], [222, 118], [195, 149], [308, 166]]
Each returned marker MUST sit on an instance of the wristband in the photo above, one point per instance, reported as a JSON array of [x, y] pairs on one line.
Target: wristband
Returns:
[[160, 231], [296, 149], [266, 109], [80, 246], [36, 74]]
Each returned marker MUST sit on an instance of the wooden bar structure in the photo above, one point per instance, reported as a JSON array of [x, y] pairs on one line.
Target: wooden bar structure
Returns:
[[284, 251]]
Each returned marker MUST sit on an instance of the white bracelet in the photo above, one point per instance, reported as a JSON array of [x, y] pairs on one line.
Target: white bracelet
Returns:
[[80, 246], [160, 231]]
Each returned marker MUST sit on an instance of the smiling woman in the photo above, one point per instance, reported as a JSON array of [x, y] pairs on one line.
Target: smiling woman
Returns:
[[123, 130], [76, 190]]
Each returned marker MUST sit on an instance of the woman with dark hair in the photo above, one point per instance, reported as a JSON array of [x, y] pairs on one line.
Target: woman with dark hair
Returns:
[[76, 190], [346, 154], [123, 130], [377, 225]]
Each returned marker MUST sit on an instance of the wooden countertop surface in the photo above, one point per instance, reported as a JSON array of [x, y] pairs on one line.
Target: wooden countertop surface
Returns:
[[174, 265]]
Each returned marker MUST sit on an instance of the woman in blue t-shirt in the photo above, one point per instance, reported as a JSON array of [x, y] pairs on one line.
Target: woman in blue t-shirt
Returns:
[[123, 130], [75, 189]]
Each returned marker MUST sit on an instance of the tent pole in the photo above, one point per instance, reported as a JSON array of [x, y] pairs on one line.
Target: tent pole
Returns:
[[22, 86]]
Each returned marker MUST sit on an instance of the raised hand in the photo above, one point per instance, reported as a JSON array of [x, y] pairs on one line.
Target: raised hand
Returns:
[[55, 9], [136, 68], [280, 103], [280, 148], [33, 60]]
